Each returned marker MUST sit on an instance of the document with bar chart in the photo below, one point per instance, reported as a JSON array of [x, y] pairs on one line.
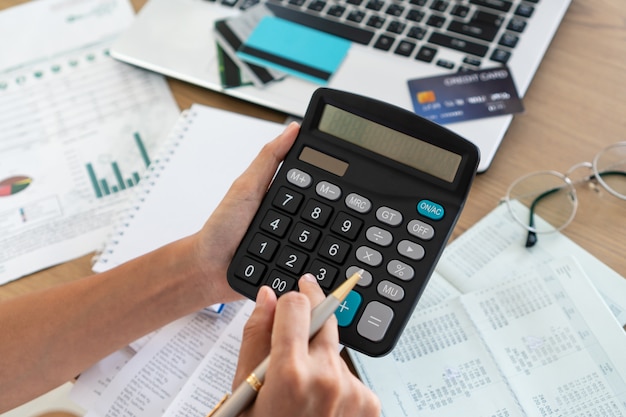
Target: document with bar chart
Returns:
[[77, 130]]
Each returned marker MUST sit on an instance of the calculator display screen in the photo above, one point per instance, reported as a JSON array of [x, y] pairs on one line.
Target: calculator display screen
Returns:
[[395, 145]]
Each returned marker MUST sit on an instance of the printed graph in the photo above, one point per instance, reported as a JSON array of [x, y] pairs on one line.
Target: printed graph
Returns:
[[103, 187], [14, 185]]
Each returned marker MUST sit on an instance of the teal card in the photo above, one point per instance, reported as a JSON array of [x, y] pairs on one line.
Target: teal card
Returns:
[[295, 49]]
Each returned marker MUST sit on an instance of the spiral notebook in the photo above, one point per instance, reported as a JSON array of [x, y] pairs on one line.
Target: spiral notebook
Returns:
[[206, 150]]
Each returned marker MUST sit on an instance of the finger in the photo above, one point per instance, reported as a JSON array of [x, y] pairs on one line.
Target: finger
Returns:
[[245, 194], [261, 171], [290, 334], [328, 336], [255, 344], [308, 286]]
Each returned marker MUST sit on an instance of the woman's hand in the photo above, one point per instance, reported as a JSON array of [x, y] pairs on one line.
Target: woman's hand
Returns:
[[217, 241], [303, 378]]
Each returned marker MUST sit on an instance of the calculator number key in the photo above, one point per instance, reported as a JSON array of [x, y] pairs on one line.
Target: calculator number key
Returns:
[[280, 283], [334, 249], [287, 200], [263, 247], [346, 225], [304, 236], [291, 260], [317, 213], [250, 270], [275, 223], [324, 273]]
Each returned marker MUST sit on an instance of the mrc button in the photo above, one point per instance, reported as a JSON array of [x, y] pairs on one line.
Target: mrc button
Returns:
[[358, 203], [430, 209]]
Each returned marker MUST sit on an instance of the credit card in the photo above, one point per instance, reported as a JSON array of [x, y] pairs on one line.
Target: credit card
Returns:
[[295, 49], [465, 96]]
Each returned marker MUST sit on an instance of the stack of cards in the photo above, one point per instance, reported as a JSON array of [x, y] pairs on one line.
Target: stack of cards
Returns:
[[257, 48]]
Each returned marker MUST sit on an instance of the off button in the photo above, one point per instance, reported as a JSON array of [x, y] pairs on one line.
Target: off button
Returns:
[[430, 209]]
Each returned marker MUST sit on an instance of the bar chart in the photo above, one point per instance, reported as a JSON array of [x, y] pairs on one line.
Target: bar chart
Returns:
[[103, 187]]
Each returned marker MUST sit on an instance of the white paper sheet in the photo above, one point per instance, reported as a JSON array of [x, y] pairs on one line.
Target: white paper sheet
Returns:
[[542, 344], [153, 377], [493, 248], [71, 118], [214, 375]]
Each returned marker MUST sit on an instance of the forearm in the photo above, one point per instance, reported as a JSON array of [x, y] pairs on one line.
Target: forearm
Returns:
[[50, 337]]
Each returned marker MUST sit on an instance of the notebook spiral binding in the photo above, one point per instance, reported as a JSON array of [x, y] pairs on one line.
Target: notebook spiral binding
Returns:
[[146, 183]]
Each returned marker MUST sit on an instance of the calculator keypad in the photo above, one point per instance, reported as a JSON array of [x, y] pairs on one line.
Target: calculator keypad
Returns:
[[321, 227], [365, 187]]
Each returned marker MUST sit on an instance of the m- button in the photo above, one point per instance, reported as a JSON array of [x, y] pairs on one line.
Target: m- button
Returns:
[[328, 191]]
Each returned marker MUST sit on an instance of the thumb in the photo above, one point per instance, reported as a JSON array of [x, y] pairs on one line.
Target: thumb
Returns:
[[257, 335]]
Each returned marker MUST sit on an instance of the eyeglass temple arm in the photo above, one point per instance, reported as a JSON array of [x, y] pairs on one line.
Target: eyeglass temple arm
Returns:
[[531, 238]]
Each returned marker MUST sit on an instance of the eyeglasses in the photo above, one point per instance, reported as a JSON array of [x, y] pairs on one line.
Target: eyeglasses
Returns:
[[546, 201]]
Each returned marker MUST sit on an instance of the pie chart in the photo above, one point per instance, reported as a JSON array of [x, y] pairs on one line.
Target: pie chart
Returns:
[[14, 185]]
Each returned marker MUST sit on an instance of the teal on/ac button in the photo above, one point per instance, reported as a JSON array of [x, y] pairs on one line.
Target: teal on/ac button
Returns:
[[347, 309], [430, 209]]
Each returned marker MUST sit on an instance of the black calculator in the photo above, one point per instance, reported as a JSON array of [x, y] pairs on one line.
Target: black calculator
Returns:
[[366, 185]]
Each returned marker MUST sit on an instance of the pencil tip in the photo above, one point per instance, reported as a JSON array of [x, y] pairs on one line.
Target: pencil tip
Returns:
[[344, 289]]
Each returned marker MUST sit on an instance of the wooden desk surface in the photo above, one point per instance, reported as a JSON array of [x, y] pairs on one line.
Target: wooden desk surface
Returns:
[[576, 105]]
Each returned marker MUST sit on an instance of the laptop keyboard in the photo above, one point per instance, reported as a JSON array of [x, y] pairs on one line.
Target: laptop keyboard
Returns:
[[479, 32]]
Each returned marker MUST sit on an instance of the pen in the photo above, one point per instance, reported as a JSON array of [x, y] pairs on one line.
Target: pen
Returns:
[[242, 397]]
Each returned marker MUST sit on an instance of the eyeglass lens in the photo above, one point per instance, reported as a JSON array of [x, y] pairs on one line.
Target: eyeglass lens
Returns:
[[610, 169], [543, 202]]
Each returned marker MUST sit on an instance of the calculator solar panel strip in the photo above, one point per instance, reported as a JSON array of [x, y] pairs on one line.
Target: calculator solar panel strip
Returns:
[[335, 207]]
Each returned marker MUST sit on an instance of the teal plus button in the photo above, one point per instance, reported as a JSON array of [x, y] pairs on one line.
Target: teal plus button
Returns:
[[347, 309], [430, 209]]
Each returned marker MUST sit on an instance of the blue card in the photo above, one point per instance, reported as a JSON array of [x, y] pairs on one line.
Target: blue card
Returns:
[[294, 49], [465, 96]]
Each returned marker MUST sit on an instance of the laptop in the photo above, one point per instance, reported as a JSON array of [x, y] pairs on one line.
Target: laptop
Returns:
[[176, 38]]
